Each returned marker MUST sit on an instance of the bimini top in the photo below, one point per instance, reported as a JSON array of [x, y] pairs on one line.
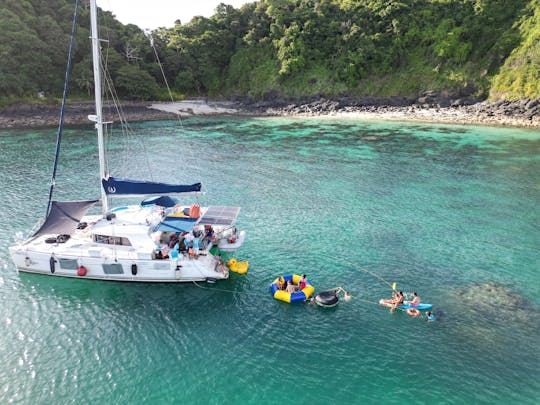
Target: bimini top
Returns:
[[64, 217], [125, 187]]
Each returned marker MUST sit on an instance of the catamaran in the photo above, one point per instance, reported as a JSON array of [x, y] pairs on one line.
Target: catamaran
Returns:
[[158, 240]]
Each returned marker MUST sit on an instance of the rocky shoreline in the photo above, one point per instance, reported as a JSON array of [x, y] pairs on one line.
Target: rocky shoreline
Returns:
[[430, 107], [47, 115]]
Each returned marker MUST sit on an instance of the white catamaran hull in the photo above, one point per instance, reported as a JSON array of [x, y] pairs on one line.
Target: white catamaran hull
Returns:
[[99, 268]]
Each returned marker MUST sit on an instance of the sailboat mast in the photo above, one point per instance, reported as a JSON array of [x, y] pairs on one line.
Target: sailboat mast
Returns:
[[97, 90]]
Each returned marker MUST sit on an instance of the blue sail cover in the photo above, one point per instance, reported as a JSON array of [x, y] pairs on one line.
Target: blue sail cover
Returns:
[[126, 187]]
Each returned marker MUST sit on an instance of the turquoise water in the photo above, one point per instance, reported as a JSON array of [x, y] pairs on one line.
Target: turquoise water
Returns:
[[449, 211]]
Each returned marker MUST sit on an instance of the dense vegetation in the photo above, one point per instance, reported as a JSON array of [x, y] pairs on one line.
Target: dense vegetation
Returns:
[[286, 47]]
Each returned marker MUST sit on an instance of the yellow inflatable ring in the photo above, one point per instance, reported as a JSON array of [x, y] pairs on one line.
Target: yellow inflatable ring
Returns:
[[288, 297]]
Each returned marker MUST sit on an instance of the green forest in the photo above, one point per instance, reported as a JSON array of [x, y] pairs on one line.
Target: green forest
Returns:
[[283, 48]]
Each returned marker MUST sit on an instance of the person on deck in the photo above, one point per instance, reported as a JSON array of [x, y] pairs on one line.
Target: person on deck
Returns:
[[209, 236], [196, 247], [173, 254], [173, 240], [164, 249], [187, 241]]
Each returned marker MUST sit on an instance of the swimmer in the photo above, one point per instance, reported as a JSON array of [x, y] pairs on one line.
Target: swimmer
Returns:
[[430, 317], [346, 295]]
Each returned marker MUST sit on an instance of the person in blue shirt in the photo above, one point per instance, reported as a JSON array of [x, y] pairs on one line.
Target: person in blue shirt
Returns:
[[430, 317]]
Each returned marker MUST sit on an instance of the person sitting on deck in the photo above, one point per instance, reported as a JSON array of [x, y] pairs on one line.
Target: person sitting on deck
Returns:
[[173, 240], [162, 251], [209, 236]]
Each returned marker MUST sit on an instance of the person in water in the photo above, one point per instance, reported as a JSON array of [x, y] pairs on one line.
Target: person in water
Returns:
[[430, 317], [346, 295]]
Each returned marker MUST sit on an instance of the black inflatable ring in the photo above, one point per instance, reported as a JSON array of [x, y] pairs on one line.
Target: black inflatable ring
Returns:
[[327, 299]]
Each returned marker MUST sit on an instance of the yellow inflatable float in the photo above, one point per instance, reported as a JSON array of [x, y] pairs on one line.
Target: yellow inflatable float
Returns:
[[238, 267]]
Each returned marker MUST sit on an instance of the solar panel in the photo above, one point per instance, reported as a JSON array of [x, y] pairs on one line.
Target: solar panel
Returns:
[[217, 215]]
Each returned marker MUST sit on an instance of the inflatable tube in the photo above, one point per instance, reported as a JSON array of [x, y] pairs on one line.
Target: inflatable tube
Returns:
[[238, 267], [327, 299], [81, 271], [291, 297], [413, 312]]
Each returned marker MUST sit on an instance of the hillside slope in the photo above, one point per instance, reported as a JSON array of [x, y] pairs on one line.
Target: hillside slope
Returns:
[[286, 48]]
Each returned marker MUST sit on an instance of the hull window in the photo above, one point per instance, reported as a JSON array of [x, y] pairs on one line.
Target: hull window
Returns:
[[113, 268], [68, 264]]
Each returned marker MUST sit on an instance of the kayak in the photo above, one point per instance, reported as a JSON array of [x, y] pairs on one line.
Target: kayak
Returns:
[[420, 307]]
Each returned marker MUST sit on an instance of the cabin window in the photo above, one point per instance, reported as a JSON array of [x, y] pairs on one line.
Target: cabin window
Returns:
[[111, 240]]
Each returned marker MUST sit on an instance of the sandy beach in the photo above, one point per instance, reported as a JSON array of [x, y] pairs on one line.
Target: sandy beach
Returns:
[[524, 113]]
